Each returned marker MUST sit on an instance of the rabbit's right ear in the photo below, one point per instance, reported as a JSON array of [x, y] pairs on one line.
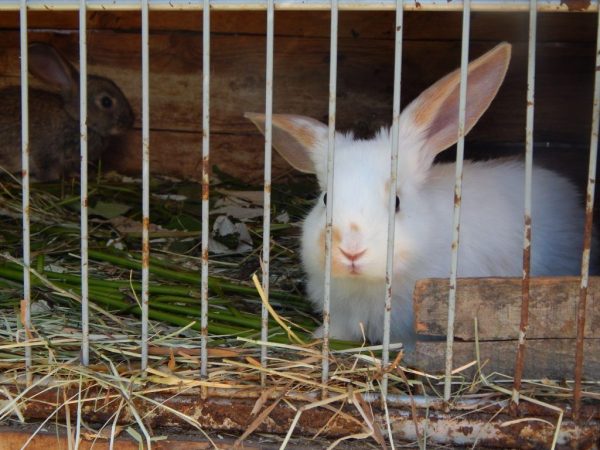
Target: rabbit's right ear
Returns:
[[301, 141], [49, 66], [432, 118]]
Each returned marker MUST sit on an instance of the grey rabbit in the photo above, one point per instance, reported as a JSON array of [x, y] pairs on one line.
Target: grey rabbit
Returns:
[[54, 132]]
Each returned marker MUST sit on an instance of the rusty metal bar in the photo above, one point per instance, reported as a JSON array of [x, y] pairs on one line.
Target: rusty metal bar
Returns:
[[83, 217], [587, 238], [264, 331], [329, 206], [26, 303], [520, 358], [205, 186], [460, 153], [389, 269], [487, 428], [323, 5], [145, 179]]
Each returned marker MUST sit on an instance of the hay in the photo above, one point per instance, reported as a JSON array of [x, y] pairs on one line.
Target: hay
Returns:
[[293, 372]]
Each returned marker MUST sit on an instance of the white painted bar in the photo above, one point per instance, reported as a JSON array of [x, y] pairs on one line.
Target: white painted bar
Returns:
[[205, 186], [589, 207], [460, 152], [264, 332], [324, 5], [83, 173], [529, 115], [26, 303], [389, 271], [331, 194], [145, 179]]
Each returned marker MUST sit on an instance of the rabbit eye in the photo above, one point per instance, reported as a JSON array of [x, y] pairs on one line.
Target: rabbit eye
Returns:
[[106, 102], [325, 198], [397, 203]]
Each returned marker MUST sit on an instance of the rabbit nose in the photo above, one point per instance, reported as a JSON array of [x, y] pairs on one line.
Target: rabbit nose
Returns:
[[352, 256]]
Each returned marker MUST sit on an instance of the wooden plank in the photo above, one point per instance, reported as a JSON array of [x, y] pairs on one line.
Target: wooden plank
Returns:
[[178, 154], [301, 78], [544, 358], [496, 303], [363, 25]]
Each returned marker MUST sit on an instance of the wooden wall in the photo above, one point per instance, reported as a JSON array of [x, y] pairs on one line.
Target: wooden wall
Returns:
[[565, 69]]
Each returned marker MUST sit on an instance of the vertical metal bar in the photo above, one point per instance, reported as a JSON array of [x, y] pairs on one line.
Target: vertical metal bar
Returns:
[[267, 188], [145, 179], [329, 207], [205, 183], [26, 303], [587, 239], [520, 359], [85, 329], [460, 149], [389, 271]]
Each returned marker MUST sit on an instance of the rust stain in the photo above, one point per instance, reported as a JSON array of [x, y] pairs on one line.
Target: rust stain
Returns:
[[582, 306], [576, 5], [145, 245], [205, 182], [267, 188], [457, 199], [234, 414], [205, 254]]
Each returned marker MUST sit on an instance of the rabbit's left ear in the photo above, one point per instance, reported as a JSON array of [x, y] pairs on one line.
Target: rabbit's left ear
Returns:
[[302, 141], [433, 116], [49, 66]]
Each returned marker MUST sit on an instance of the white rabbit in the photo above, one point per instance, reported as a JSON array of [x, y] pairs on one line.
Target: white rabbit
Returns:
[[491, 228]]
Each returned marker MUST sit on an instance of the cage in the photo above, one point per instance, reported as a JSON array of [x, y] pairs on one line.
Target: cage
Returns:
[[124, 323]]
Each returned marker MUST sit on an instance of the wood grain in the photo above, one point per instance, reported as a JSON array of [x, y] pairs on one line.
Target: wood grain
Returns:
[[496, 303], [358, 25], [544, 358], [365, 70]]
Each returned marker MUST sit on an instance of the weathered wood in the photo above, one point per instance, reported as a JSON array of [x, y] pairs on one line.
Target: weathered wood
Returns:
[[365, 72], [544, 358], [179, 154], [496, 303], [363, 25], [301, 79]]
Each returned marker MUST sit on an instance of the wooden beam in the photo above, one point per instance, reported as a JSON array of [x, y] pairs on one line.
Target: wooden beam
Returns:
[[544, 358], [496, 303]]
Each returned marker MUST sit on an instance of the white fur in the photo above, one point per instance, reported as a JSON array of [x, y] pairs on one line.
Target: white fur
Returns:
[[491, 229], [492, 215]]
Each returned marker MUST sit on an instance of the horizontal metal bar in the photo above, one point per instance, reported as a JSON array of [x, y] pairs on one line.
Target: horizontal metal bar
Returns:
[[486, 428], [344, 5]]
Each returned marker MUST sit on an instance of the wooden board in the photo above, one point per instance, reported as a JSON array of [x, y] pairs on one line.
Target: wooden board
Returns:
[[544, 358], [365, 72], [496, 303], [358, 25]]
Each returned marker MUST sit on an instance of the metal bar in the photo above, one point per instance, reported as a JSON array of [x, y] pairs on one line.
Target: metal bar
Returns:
[[486, 428], [26, 303], [324, 5], [145, 179], [520, 358], [205, 185], [83, 217], [331, 196], [389, 271], [264, 333], [587, 239], [460, 151]]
